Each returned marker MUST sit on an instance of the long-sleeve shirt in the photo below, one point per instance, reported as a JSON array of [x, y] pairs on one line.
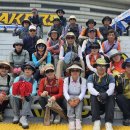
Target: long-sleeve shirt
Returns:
[[74, 89], [34, 86]]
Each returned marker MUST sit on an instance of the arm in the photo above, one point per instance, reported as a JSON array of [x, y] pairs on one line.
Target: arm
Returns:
[[83, 32], [84, 45], [11, 58], [41, 87], [119, 46], [48, 57], [80, 29], [111, 89], [35, 61], [92, 90], [61, 55], [34, 91], [27, 56], [80, 52]]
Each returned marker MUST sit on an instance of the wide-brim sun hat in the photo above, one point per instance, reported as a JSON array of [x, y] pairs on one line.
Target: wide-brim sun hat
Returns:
[[74, 66], [101, 61], [70, 34], [27, 21], [113, 53], [18, 42], [125, 62], [40, 41], [72, 17], [105, 18], [49, 67], [31, 64], [90, 21], [60, 10], [7, 64]]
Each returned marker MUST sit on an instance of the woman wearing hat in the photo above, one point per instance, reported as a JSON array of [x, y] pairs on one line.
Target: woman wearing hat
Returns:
[[60, 13], [51, 90], [22, 90], [74, 90], [5, 79], [101, 87], [90, 25], [24, 31], [41, 57], [54, 44], [72, 27], [117, 59], [18, 57]]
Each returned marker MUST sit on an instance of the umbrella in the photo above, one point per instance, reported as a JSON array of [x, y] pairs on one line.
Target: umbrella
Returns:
[[121, 21]]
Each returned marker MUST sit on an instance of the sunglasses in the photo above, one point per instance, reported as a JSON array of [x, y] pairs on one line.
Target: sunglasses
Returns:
[[18, 45], [75, 70], [32, 30], [27, 68], [72, 19], [60, 12], [4, 67], [70, 37], [95, 47], [49, 71], [40, 46]]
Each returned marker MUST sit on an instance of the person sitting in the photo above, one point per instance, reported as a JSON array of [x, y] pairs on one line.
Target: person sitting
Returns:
[[60, 13], [53, 45], [51, 90], [69, 52], [41, 57], [24, 31], [106, 21], [111, 43], [90, 25], [123, 92], [21, 91], [18, 57], [74, 90], [5, 79], [117, 59], [72, 27], [101, 87]]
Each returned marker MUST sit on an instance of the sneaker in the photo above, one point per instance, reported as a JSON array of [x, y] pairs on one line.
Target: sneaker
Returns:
[[71, 125], [57, 119], [23, 122], [97, 125], [108, 126], [126, 122], [51, 118], [78, 124], [1, 117], [15, 119]]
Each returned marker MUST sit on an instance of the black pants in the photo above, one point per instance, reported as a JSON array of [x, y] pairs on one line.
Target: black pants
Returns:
[[61, 102], [108, 107], [124, 105], [3, 106]]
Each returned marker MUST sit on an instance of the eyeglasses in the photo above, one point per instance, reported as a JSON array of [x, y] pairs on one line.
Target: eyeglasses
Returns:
[[75, 70], [40, 46], [27, 68], [70, 37], [32, 30], [4, 67], [49, 71]]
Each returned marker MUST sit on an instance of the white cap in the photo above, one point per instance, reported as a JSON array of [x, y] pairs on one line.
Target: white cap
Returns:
[[32, 27]]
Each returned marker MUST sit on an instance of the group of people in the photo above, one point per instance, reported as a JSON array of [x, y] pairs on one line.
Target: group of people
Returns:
[[63, 70]]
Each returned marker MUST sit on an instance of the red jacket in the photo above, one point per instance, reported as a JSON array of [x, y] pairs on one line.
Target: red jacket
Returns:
[[22, 88], [54, 87]]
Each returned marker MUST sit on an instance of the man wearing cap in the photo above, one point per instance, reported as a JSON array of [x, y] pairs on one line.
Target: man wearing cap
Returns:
[[101, 87], [22, 90], [90, 25], [60, 13], [74, 90], [88, 42], [5, 79], [69, 52], [18, 57], [36, 20], [123, 92], [30, 41], [24, 31], [54, 44], [72, 27], [106, 21]]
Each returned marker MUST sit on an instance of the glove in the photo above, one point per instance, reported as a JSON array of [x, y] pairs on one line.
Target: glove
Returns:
[[28, 98], [102, 97]]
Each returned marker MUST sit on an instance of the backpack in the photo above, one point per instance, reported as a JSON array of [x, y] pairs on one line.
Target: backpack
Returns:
[[80, 81]]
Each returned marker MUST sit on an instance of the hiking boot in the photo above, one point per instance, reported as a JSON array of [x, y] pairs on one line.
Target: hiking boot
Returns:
[[23, 122], [126, 122], [57, 119], [97, 125], [51, 118], [78, 124], [1, 117], [15, 119], [71, 125], [108, 126]]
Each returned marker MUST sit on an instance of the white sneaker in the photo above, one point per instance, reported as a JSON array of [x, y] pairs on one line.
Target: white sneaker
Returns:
[[78, 124], [23, 122], [71, 125], [15, 119], [108, 126], [97, 125], [57, 119]]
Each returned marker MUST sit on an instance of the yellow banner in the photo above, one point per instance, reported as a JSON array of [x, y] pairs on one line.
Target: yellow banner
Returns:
[[17, 18]]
